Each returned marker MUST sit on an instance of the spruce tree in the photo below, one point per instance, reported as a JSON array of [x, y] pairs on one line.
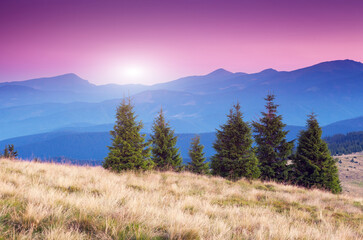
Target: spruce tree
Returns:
[[12, 152], [9, 152], [129, 151], [235, 157], [314, 166], [6, 152], [196, 154], [165, 154], [272, 148]]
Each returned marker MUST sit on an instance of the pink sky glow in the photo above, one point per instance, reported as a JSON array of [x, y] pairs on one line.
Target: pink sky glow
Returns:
[[149, 41]]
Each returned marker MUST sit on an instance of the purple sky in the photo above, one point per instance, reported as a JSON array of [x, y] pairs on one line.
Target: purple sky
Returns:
[[160, 40]]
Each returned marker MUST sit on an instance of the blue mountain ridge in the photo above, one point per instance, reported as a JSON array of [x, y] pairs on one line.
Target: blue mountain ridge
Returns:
[[196, 104], [88, 145]]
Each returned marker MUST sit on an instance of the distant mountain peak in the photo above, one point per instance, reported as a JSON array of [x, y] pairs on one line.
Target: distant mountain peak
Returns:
[[65, 81], [219, 72], [346, 64], [69, 75], [66, 77], [269, 70], [349, 60], [69, 81]]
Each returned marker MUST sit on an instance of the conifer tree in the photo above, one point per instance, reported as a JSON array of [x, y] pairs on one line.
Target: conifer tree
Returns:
[[272, 148], [129, 151], [314, 166], [196, 154], [165, 154], [9, 152], [12, 152], [6, 152], [235, 156]]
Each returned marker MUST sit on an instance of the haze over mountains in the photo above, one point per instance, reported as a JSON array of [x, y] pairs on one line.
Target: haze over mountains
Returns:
[[85, 145], [195, 104]]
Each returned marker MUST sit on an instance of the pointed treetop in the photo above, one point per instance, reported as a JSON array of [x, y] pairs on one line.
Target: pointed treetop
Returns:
[[312, 117], [312, 121], [270, 106], [235, 112], [160, 119]]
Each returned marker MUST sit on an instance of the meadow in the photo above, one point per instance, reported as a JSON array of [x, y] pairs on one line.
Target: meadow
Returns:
[[60, 201], [351, 173]]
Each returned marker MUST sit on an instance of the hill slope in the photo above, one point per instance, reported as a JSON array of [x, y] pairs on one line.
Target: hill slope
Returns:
[[351, 173], [49, 201]]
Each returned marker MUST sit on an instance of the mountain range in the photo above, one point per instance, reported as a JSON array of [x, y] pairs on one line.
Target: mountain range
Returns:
[[89, 144], [68, 104]]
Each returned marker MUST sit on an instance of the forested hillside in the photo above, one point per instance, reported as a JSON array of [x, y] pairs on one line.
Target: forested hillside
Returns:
[[345, 144]]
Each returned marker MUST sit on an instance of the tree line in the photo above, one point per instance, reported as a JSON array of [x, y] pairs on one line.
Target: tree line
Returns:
[[345, 144], [273, 159]]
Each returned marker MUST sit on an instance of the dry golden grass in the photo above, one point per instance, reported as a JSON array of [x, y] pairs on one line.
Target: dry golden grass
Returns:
[[50, 201], [351, 173]]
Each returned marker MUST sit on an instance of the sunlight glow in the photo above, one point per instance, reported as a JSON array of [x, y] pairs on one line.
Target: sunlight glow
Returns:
[[130, 73], [133, 72]]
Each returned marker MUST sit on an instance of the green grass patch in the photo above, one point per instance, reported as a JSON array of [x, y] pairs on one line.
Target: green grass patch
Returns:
[[266, 187], [359, 184], [196, 191], [13, 203], [353, 220], [70, 189], [358, 205], [134, 231], [84, 225], [13, 221], [236, 201]]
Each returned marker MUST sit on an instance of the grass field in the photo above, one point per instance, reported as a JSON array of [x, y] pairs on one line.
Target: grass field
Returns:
[[351, 173], [50, 201]]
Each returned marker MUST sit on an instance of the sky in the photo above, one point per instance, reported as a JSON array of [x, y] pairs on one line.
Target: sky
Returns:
[[150, 41]]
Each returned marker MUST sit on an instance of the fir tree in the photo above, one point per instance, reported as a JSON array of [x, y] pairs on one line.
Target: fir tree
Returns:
[[235, 156], [129, 151], [9, 152], [314, 166], [165, 154], [272, 147], [6, 152], [196, 154]]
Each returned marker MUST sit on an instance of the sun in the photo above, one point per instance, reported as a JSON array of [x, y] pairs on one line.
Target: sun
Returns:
[[133, 72], [130, 73]]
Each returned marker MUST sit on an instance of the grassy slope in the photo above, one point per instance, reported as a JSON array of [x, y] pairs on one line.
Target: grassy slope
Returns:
[[49, 201], [351, 173]]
